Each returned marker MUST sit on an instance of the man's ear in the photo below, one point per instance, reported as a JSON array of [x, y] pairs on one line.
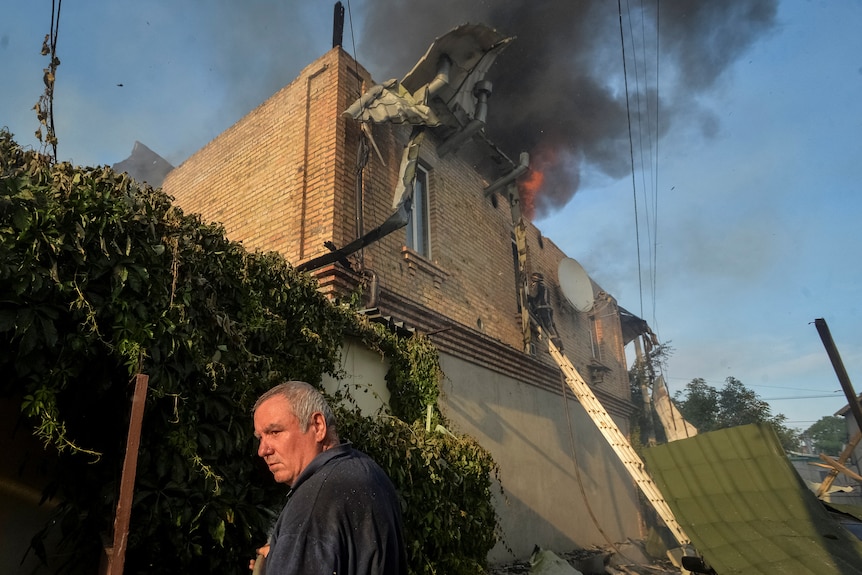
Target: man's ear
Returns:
[[318, 426]]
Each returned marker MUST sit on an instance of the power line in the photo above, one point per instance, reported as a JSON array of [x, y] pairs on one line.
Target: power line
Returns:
[[655, 186], [631, 155], [798, 397], [648, 134]]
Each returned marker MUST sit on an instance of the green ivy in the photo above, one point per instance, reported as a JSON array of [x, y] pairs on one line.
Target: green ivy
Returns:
[[449, 518], [102, 278]]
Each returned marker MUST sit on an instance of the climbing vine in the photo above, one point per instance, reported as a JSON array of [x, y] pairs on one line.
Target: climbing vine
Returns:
[[102, 278]]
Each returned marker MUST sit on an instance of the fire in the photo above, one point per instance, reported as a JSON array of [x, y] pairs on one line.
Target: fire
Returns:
[[529, 187]]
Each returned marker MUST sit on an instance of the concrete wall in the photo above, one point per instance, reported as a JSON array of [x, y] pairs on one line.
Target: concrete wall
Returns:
[[362, 377], [21, 517], [530, 435], [22, 479]]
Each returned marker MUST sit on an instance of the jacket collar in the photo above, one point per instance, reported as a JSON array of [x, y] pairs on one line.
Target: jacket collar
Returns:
[[321, 459]]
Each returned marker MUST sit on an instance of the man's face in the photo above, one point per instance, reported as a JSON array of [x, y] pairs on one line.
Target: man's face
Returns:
[[286, 450]]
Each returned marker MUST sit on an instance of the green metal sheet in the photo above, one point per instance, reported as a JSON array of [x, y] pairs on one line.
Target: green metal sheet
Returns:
[[747, 511]]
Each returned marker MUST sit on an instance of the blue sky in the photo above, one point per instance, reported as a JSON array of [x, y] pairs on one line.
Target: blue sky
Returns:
[[750, 213], [758, 227]]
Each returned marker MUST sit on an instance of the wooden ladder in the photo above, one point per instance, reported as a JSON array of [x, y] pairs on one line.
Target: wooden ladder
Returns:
[[618, 441]]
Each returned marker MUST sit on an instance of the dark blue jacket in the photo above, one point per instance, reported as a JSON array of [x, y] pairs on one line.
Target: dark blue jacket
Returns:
[[342, 517]]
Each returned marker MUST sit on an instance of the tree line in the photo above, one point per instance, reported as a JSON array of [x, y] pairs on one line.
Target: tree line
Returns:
[[710, 408]]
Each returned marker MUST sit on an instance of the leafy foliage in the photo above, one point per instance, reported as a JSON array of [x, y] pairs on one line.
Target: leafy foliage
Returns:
[[448, 512], [828, 435], [413, 383], [699, 405], [100, 279], [646, 426], [708, 409]]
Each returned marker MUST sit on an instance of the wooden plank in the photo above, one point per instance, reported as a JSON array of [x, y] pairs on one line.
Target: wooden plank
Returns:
[[833, 473], [849, 472], [115, 556]]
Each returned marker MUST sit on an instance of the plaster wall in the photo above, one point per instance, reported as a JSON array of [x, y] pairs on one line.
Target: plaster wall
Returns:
[[363, 377], [555, 466], [531, 436]]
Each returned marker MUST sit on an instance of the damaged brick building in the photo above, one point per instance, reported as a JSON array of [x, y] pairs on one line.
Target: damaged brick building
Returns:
[[299, 176]]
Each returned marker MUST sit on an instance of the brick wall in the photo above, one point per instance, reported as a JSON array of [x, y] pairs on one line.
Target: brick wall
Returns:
[[285, 178], [269, 178]]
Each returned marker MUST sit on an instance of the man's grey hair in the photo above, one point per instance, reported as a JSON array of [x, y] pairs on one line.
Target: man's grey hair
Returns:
[[304, 401]]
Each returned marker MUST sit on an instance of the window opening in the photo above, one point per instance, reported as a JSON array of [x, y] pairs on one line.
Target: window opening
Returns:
[[417, 226]]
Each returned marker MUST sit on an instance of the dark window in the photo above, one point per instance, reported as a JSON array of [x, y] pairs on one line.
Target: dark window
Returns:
[[417, 226]]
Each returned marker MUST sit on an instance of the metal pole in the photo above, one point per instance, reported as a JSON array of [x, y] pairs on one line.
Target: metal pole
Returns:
[[838, 365], [338, 25]]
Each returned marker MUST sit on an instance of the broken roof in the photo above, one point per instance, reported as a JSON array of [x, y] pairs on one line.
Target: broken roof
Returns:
[[747, 511], [846, 409], [633, 326], [471, 48]]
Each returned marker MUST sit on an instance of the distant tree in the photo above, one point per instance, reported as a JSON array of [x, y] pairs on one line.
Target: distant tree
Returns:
[[710, 409], [699, 405], [788, 436], [739, 405], [828, 435]]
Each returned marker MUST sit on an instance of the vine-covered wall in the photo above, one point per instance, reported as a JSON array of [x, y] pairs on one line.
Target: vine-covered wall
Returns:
[[101, 279]]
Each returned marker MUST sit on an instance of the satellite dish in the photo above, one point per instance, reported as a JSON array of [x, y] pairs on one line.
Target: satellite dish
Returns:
[[576, 285]]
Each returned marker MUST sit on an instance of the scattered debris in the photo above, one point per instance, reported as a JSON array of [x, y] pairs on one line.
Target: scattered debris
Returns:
[[590, 561], [544, 562]]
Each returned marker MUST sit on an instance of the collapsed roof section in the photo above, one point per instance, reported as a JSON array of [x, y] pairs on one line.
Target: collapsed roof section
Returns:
[[746, 509], [450, 77], [391, 102], [445, 91], [634, 327]]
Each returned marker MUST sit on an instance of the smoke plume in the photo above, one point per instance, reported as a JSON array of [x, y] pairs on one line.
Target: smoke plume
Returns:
[[559, 89]]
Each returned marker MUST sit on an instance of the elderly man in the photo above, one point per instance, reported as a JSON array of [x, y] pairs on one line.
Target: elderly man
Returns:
[[342, 515]]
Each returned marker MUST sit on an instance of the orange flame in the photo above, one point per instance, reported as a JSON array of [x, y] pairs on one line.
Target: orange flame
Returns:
[[529, 188]]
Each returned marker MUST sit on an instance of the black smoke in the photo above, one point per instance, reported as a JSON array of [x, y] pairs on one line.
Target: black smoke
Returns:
[[559, 88]]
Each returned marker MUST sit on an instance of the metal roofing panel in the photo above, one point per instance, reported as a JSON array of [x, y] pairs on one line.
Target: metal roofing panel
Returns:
[[747, 511], [390, 102]]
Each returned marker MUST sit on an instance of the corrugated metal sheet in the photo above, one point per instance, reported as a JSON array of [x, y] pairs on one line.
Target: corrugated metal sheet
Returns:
[[746, 509], [472, 48], [390, 102]]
